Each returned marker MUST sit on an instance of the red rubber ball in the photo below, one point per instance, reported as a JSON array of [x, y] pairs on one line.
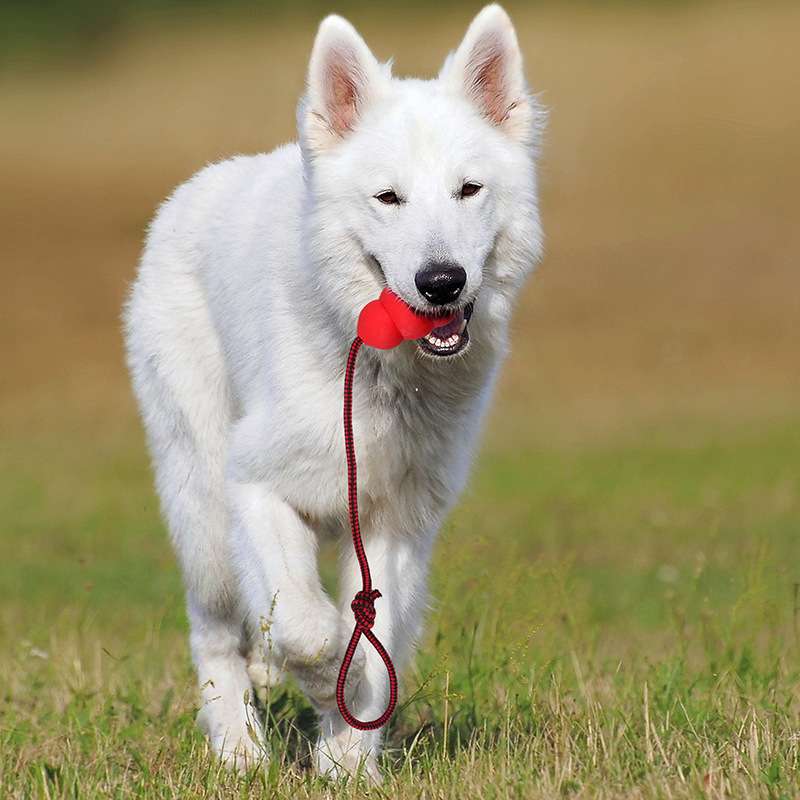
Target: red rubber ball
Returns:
[[376, 328]]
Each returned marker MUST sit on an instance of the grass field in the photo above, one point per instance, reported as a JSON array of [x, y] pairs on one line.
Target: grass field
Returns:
[[616, 599]]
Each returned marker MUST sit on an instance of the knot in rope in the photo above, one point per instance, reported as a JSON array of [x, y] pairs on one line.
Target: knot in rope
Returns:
[[363, 606]]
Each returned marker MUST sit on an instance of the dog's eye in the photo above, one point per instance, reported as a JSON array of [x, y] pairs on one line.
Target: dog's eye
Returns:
[[470, 188], [388, 198]]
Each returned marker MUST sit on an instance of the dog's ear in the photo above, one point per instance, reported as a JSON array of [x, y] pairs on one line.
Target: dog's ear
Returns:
[[487, 68], [343, 78]]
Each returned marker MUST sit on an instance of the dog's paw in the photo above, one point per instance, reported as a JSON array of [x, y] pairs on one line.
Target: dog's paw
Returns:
[[318, 677], [238, 746], [242, 757], [314, 655], [340, 757]]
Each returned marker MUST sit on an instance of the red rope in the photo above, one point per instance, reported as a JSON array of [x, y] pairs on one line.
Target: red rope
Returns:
[[363, 604]]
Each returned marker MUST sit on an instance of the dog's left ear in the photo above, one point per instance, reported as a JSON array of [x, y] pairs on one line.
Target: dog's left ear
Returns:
[[343, 78], [487, 68]]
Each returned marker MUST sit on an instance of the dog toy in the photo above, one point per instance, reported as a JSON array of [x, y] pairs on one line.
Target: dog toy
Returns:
[[383, 324]]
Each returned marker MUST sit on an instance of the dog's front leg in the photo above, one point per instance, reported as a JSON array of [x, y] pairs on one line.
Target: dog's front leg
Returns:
[[276, 557], [399, 567]]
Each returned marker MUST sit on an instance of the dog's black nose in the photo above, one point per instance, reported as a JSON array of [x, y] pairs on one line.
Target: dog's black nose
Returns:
[[440, 282]]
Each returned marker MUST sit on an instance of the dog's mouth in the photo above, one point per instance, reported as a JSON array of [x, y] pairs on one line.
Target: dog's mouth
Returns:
[[449, 339]]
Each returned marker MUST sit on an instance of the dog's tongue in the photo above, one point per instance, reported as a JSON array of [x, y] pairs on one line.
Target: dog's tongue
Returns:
[[386, 322]]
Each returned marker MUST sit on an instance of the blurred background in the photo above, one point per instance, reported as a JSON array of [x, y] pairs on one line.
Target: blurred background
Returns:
[[646, 433], [671, 287]]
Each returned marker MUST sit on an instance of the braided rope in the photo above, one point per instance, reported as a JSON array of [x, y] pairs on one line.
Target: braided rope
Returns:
[[363, 604]]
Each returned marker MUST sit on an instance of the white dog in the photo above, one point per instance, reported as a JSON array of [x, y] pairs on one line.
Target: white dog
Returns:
[[238, 326]]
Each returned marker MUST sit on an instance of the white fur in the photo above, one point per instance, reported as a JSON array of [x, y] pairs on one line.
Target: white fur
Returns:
[[238, 326]]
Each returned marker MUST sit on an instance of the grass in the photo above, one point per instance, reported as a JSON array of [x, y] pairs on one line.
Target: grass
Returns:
[[616, 602], [616, 621]]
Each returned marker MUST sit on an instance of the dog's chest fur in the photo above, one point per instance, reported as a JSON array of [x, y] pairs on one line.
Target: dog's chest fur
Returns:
[[413, 436]]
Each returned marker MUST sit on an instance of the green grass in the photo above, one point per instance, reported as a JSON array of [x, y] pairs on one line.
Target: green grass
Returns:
[[613, 620]]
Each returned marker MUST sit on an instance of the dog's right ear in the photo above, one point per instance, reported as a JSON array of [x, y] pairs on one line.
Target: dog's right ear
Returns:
[[343, 78]]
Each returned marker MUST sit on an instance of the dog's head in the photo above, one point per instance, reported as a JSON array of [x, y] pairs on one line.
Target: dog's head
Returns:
[[428, 187]]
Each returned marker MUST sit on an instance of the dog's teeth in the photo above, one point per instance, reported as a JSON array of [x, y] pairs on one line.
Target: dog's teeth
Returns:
[[445, 344]]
